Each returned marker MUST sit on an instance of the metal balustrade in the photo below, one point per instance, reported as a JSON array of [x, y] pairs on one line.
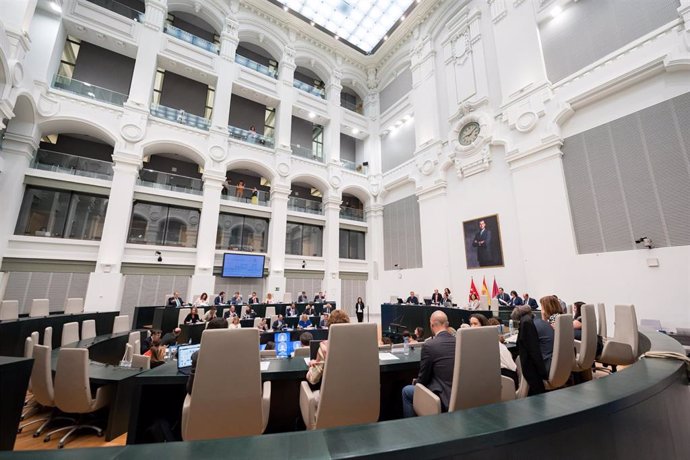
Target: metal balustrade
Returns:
[[88, 90], [306, 87], [180, 116], [48, 160], [250, 136], [351, 213], [246, 62], [246, 195], [172, 182], [302, 205], [191, 39]]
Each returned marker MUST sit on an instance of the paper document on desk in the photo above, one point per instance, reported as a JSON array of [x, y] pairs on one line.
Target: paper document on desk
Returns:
[[387, 357], [264, 365], [512, 339], [306, 360]]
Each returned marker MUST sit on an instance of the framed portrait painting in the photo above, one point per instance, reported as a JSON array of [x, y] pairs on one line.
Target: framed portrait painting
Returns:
[[483, 242]]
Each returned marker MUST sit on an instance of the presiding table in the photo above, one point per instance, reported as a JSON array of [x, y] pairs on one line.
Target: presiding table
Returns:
[[411, 316]]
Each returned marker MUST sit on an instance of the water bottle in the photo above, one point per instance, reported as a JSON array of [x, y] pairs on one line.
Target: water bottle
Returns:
[[511, 327], [406, 346]]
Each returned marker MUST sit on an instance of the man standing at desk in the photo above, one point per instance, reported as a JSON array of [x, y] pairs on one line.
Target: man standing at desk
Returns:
[[175, 300], [530, 301], [436, 365], [436, 297], [482, 241], [412, 298], [503, 298]]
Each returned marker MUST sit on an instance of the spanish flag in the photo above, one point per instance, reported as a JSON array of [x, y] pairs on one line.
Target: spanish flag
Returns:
[[485, 289]]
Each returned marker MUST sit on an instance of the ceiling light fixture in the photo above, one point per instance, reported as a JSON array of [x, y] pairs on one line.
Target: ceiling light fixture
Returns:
[[556, 10], [312, 115], [285, 8], [55, 7], [355, 131]]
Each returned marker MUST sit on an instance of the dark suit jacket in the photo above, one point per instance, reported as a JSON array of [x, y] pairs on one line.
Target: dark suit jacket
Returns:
[[517, 301], [302, 299], [169, 339], [531, 360], [277, 325], [505, 298], [254, 300], [411, 299], [171, 301], [436, 366], [318, 299], [437, 298], [218, 300], [532, 303], [482, 241]]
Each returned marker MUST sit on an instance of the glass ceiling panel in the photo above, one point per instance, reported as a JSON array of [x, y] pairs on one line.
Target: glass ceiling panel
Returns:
[[362, 23]]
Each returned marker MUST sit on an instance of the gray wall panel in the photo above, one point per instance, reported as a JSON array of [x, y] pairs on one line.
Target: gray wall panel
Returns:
[[395, 90], [402, 237], [104, 68], [398, 147], [179, 92]]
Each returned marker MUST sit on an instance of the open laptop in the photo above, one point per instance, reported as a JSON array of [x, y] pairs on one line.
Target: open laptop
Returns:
[[184, 357]]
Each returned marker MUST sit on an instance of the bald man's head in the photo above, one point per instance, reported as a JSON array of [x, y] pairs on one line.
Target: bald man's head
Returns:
[[438, 322]]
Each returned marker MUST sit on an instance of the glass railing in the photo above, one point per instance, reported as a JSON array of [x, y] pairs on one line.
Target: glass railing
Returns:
[[352, 106], [180, 116], [351, 213], [246, 195], [250, 136], [305, 152], [306, 87], [302, 205], [246, 62], [119, 8], [47, 160], [347, 164], [168, 181], [191, 38], [88, 90]]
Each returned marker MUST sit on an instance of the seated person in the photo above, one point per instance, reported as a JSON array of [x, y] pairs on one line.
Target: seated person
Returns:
[[436, 297], [210, 314], [534, 347], [236, 299], [192, 317], [175, 300], [527, 300], [202, 301], [303, 297], [412, 298], [231, 313], [316, 366], [157, 353], [269, 298], [508, 366], [515, 300], [278, 324], [418, 334], [146, 344], [253, 299], [220, 299], [320, 297], [171, 337], [324, 321], [249, 313], [478, 320], [270, 345], [217, 323], [436, 365], [474, 302], [305, 338], [235, 324], [304, 321], [291, 310], [309, 310], [263, 325], [328, 308]]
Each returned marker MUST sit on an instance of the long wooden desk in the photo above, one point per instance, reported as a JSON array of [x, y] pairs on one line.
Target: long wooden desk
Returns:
[[14, 380], [412, 316], [14, 333]]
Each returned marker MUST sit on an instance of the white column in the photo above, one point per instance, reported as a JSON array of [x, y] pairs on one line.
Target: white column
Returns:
[[372, 144], [331, 135], [287, 99], [17, 153], [17, 14], [374, 250], [226, 70], [106, 283], [331, 247], [203, 279], [147, 53], [423, 96], [433, 206], [277, 233]]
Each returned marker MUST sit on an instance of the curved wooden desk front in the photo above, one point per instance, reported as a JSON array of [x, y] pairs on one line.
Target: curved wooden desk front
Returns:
[[637, 413]]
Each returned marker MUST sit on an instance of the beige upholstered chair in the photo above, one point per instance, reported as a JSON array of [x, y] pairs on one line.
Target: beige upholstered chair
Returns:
[[393, 299], [48, 337], [135, 341], [9, 310], [74, 306], [270, 312], [39, 307], [287, 297], [42, 388], [257, 321], [141, 361], [569, 309], [267, 353], [182, 314], [121, 324], [30, 402], [73, 390], [29, 344], [476, 376], [167, 297], [88, 329], [70, 333], [302, 352], [384, 348], [211, 411], [483, 302], [523, 388], [586, 348], [350, 385], [563, 353], [507, 389], [129, 353], [622, 348], [601, 321]]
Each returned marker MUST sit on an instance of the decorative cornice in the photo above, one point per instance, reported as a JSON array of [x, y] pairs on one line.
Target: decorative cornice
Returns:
[[435, 190], [549, 148]]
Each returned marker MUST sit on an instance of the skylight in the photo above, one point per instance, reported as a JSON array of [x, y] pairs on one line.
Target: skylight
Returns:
[[362, 23]]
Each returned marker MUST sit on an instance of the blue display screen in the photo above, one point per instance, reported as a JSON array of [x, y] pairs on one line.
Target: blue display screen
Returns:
[[284, 347], [242, 266]]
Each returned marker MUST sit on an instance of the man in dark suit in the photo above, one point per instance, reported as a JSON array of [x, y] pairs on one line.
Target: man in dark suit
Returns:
[[253, 298], [412, 298], [216, 323], [503, 298], [278, 324], [220, 299], [171, 337], [230, 313], [436, 297], [175, 300], [482, 241], [529, 301], [328, 308], [319, 298], [236, 299], [303, 297], [436, 365]]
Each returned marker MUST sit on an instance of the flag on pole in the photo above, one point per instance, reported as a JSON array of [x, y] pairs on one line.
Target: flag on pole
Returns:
[[473, 290], [494, 289], [485, 288]]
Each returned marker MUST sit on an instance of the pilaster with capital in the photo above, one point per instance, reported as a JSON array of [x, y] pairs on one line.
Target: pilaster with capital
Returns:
[[372, 143], [277, 232], [332, 129], [287, 97], [331, 245], [374, 253], [423, 96], [148, 39], [226, 70]]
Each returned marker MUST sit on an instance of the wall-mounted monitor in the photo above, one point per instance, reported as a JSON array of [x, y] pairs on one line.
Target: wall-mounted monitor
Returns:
[[242, 266]]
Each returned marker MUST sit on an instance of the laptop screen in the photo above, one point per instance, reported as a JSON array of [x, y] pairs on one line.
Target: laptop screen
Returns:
[[184, 355], [284, 346]]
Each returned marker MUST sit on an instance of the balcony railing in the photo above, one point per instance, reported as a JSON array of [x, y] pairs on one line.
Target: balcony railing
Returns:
[[191, 38], [246, 195], [352, 106], [119, 8], [88, 90], [47, 160], [302, 205], [180, 116], [246, 62], [351, 213], [306, 87], [168, 181], [250, 136], [305, 152]]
